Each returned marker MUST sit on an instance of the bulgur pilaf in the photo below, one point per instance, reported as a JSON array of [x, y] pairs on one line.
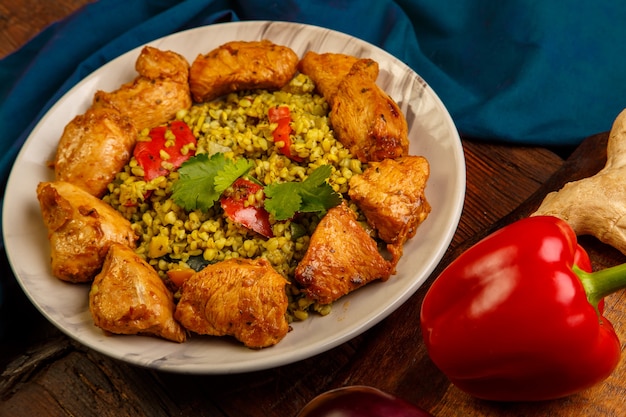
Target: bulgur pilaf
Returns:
[[237, 125]]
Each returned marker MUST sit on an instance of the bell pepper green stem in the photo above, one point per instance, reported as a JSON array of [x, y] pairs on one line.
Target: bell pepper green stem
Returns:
[[601, 283]]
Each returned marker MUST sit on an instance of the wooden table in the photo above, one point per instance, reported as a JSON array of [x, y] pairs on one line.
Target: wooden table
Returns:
[[44, 373]]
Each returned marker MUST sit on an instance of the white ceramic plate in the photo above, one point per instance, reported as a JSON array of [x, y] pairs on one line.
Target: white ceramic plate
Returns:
[[432, 134]]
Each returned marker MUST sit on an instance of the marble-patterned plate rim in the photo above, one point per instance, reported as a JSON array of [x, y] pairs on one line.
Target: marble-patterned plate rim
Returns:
[[432, 134]]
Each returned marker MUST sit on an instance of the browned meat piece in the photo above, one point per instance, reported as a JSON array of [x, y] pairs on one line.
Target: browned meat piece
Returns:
[[365, 119], [81, 228], [241, 65], [154, 64], [237, 297], [341, 257], [327, 70], [129, 297], [93, 148], [391, 195], [159, 91]]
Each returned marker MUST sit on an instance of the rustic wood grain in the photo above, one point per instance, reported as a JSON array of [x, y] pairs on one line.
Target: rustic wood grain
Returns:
[[507, 174], [20, 20], [45, 373]]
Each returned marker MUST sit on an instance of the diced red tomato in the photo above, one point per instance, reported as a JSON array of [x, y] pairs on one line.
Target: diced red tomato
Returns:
[[148, 153], [254, 217], [282, 116], [279, 113]]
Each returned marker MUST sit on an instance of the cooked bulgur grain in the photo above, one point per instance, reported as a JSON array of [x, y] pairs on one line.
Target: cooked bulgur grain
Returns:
[[238, 126]]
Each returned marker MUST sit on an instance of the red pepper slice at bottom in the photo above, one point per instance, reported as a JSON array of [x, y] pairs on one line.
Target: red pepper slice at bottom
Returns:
[[254, 217], [517, 318]]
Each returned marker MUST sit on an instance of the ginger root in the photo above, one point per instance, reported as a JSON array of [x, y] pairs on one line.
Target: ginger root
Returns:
[[597, 205]]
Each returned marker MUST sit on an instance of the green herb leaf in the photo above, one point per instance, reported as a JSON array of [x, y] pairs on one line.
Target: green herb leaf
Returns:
[[314, 194], [230, 173], [282, 199], [202, 180]]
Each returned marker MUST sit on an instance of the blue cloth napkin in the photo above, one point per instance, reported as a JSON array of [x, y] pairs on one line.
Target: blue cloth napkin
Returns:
[[520, 71]]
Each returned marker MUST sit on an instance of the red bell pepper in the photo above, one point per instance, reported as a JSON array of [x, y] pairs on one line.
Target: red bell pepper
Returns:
[[519, 315], [282, 134], [252, 216], [148, 153]]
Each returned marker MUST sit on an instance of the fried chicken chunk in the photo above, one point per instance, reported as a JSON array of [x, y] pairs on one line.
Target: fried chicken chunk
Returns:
[[327, 70], [129, 297], [391, 195], [241, 65], [155, 96], [93, 148], [81, 228], [237, 297], [365, 119], [341, 257]]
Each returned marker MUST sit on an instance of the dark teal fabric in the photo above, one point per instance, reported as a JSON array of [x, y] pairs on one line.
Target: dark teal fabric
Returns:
[[519, 71]]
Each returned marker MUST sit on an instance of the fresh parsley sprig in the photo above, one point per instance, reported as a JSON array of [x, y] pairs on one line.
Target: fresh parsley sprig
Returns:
[[312, 195], [203, 179]]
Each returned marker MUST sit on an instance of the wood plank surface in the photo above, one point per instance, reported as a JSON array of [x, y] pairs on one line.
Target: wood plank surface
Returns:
[[45, 373], [21, 20]]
